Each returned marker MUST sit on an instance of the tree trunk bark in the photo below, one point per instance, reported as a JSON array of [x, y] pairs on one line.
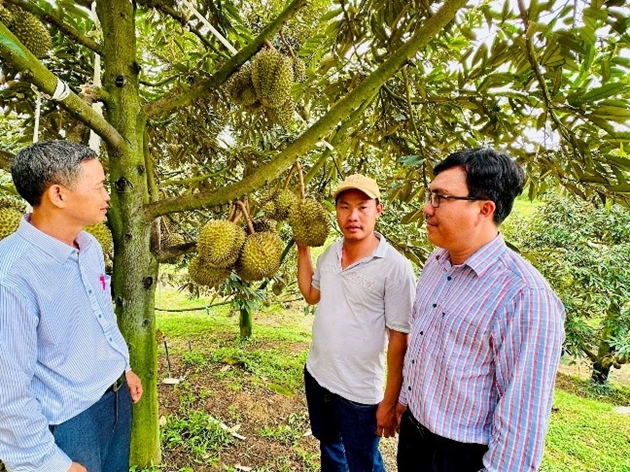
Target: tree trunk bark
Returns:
[[605, 352], [135, 267], [245, 321]]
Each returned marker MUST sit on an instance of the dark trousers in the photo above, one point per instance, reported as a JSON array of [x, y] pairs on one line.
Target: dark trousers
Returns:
[[98, 438], [419, 450], [346, 430]]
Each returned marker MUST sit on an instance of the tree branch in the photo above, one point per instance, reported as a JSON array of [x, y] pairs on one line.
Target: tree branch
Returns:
[[35, 72], [170, 253], [178, 99], [317, 131], [177, 16], [65, 29]]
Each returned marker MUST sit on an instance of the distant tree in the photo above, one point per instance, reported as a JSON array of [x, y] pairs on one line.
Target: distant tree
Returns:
[[583, 248]]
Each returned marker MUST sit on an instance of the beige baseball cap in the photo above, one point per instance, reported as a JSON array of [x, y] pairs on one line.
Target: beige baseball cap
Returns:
[[359, 182]]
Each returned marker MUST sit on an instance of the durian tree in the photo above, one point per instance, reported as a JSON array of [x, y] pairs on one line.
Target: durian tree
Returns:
[[192, 124]]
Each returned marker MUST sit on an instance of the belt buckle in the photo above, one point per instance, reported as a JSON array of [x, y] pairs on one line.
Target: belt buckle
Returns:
[[118, 383]]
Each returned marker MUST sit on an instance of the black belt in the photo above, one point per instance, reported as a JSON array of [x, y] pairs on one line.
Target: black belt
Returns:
[[119, 382]]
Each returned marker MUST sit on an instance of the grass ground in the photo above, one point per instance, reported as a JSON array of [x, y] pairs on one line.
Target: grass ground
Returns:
[[253, 390]]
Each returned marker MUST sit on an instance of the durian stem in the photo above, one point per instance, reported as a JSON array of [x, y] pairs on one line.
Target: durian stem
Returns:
[[301, 178], [243, 208], [288, 46], [290, 174]]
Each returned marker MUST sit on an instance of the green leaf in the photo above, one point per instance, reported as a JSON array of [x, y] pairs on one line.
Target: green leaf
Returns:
[[602, 92], [618, 114]]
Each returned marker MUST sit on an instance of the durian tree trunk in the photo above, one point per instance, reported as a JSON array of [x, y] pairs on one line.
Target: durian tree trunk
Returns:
[[135, 268], [245, 321], [605, 352]]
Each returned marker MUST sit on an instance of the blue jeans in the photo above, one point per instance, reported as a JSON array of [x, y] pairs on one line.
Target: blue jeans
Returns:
[[99, 437], [346, 430]]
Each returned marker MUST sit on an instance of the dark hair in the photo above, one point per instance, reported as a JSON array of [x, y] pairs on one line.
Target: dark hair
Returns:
[[40, 165], [490, 175]]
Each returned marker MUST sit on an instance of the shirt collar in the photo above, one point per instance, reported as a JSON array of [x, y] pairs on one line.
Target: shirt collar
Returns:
[[47, 244], [380, 250], [482, 259]]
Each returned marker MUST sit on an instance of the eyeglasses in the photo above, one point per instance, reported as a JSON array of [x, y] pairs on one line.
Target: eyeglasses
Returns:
[[434, 198]]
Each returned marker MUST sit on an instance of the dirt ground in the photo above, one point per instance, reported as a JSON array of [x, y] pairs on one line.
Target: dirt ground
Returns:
[[247, 407]]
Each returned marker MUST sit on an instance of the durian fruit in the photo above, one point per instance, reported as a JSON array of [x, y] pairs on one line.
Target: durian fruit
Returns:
[[220, 242], [6, 17], [299, 70], [9, 221], [240, 87], [272, 77], [260, 257], [173, 239], [310, 223], [281, 115], [31, 32], [103, 235], [206, 274], [278, 205]]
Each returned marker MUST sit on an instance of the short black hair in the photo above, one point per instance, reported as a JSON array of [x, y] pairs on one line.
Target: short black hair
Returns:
[[490, 175], [40, 165]]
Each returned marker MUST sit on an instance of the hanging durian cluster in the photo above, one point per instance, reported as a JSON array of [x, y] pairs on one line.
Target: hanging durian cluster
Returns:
[[279, 203], [222, 245], [218, 247], [28, 29], [11, 211], [265, 85]]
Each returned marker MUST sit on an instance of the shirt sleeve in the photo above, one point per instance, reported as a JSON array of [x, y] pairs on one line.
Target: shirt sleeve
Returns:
[[528, 339], [399, 296], [26, 443]]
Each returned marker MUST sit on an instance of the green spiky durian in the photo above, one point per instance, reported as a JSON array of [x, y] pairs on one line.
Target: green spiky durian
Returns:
[[240, 87], [6, 17], [220, 242], [31, 32], [272, 77], [206, 274], [282, 115], [278, 205], [9, 221], [299, 70], [103, 235], [14, 203], [260, 257], [309, 222]]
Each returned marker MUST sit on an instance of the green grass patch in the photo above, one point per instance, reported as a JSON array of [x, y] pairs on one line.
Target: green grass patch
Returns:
[[585, 435]]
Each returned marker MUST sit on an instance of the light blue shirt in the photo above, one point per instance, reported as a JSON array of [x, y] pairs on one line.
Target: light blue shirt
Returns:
[[60, 346]]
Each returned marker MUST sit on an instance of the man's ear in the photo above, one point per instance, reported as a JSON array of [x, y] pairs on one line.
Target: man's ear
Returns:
[[56, 195], [487, 208]]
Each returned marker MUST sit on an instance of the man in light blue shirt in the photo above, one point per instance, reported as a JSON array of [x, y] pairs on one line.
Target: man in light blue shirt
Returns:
[[66, 386]]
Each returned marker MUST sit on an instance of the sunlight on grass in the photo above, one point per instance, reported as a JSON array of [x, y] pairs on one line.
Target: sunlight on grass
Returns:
[[586, 436]]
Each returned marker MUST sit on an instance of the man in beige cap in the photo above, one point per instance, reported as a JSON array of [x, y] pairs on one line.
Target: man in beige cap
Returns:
[[364, 292]]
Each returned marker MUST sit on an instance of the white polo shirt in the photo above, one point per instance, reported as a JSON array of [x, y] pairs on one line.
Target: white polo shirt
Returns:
[[357, 304]]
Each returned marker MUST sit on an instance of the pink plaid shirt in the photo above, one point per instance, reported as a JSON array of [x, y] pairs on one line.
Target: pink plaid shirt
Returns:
[[485, 345]]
